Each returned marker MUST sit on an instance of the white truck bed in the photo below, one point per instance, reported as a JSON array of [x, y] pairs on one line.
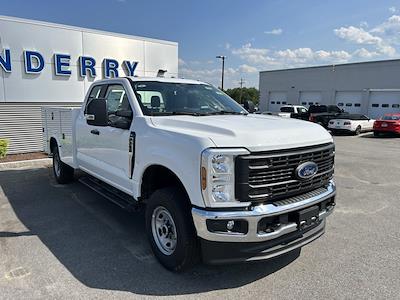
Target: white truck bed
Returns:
[[58, 122]]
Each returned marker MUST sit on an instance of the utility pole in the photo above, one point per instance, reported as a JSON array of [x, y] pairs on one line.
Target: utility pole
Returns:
[[241, 87], [222, 57]]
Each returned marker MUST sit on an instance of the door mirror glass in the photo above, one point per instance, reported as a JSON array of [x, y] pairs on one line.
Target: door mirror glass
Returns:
[[96, 112]]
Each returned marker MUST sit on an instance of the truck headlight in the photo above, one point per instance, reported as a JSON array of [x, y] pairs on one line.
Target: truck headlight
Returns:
[[218, 177]]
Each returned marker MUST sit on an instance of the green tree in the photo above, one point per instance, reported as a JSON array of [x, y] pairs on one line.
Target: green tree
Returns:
[[247, 94]]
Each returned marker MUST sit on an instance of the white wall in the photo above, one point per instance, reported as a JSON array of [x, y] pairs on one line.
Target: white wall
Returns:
[[47, 38]]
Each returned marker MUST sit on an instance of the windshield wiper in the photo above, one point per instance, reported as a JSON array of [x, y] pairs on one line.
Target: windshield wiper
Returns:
[[178, 113], [225, 112]]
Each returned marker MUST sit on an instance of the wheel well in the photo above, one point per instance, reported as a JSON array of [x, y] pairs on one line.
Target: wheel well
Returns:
[[156, 177], [53, 144]]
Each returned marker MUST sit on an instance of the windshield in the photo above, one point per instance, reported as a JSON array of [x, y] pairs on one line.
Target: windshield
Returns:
[[394, 118], [318, 109], [287, 109], [164, 98]]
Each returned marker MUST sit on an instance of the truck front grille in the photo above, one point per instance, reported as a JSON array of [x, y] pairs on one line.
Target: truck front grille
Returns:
[[270, 176]]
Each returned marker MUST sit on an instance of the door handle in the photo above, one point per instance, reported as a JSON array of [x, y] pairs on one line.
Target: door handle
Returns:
[[95, 131]]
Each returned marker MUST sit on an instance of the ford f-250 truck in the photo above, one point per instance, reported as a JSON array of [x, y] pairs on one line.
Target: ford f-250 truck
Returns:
[[215, 182]]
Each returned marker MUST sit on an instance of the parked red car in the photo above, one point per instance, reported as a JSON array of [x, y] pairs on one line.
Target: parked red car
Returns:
[[389, 123]]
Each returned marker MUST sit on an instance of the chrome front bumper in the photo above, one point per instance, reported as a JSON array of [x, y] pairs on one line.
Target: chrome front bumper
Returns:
[[255, 214]]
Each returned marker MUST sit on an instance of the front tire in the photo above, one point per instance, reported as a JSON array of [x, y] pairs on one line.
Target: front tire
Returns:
[[62, 172], [170, 229], [358, 130]]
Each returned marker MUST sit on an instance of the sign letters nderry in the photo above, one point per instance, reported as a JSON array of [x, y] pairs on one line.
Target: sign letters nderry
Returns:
[[34, 63], [43, 62]]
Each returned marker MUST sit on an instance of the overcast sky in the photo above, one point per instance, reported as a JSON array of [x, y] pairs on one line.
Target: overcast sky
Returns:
[[254, 35]]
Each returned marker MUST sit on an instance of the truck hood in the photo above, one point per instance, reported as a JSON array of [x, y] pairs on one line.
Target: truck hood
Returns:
[[254, 132]]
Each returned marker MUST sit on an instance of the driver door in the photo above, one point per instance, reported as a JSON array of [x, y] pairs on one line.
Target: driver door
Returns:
[[108, 156]]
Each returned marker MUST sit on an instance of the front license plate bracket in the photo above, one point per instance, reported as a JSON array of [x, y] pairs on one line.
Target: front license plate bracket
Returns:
[[308, 217]]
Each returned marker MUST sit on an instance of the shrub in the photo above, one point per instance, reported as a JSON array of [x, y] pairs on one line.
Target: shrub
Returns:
[[3, 148]]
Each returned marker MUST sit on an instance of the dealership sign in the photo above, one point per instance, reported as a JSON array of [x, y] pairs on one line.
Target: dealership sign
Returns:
[[34, 63]]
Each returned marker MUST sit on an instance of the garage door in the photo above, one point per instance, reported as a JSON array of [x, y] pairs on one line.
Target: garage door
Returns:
[[349, 101], [308, 98], [383, 102], [276, 100]]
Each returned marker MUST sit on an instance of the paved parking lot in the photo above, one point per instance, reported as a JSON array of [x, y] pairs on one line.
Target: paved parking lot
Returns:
[[68, 242]]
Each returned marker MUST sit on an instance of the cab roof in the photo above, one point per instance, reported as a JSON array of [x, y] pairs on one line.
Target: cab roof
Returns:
[[166, 79]]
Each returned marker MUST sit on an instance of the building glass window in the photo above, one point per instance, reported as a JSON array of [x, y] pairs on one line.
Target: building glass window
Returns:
[[395, 105], [349, 104], [375, 105], [357, 104], [385, 105]]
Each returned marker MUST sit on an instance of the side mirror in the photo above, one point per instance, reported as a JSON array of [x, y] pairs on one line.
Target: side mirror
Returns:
[[96, 112], [249, 106], [123, 123], [124, 113]]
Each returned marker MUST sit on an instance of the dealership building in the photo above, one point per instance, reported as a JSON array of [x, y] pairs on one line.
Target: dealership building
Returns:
[[45, 64], [370, 88]]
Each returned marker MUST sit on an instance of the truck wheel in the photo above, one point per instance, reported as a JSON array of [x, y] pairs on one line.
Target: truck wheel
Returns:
[[170, 229], [358, 130], [62, 172]]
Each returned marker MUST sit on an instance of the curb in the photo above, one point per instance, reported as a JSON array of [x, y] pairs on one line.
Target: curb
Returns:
[[41, 162]]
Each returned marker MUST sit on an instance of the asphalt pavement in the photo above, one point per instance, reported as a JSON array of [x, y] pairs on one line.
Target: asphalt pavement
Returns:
[[67, 242]]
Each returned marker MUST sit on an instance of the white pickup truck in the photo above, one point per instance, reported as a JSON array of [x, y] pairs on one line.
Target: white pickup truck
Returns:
[[215, 182], [293, 111]]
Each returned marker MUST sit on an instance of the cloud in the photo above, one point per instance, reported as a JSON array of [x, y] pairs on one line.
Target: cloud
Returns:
[[356, 35], [392, 9], [181, 62], [365, 42], [365, 54], [253, 55], [389, 30], [374, 37], [213, 75], [275, 31], [247, 69], [266, 58]]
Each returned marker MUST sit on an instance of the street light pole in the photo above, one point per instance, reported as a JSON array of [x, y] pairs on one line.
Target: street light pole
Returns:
[[223, 69]]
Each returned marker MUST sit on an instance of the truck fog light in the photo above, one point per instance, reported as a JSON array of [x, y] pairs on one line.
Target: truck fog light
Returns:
[[227, 226]]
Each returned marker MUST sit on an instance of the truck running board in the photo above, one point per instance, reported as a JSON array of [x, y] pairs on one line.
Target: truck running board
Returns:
[[107, 191]]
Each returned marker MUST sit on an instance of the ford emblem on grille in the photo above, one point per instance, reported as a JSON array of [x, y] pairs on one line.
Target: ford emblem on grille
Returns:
[[306, 170]]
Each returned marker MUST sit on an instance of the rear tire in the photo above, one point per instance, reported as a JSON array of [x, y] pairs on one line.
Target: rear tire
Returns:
[[377, 134], [358, 130], [170, 229], [62, 172]]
